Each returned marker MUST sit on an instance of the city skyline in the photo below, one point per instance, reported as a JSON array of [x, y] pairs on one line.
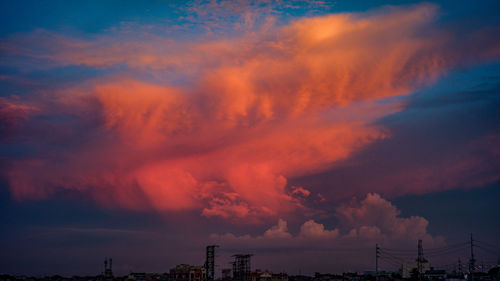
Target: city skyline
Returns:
[[390, 264], [304, 133]]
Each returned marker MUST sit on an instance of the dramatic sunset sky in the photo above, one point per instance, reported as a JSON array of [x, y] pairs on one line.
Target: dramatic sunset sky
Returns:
[[302, 132]]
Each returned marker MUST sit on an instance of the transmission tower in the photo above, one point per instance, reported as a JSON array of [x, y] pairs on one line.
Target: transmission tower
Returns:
[[108, 269], [472, 263], [420, 260], [210, 262]]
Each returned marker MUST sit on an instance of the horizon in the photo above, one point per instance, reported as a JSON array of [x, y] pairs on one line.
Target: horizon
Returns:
[[397, 258]]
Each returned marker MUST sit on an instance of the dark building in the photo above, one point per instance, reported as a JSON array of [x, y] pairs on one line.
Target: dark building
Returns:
[[186, 272], [226, 274], [266, 275]]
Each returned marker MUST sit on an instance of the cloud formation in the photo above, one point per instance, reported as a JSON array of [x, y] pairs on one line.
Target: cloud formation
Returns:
[[365, 222], [221, 126], [361, 225]]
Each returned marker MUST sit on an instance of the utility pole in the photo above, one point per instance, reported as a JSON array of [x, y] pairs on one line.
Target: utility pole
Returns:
[[377, 255], [472, 264]]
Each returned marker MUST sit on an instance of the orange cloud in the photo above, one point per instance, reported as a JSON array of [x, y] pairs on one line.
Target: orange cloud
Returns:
[[254, 111]]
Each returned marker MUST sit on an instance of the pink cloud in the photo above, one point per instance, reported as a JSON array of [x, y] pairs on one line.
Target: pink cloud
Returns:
[[278, 231], [12, 114], [350, 244], [313, 230], [376, 217], [256, 110], [363, 223], [300, 191]]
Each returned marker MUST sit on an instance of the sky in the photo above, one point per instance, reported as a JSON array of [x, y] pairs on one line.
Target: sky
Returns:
[[302, 132]]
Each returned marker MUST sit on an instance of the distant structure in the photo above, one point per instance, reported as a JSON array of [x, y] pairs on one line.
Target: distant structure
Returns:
[[137, 276], [377, 256], [108, 269], [408, 269], [241, 267], [226, 274], [266, 275], [420, 260], [472, 262], [210, 262], [186, 272]]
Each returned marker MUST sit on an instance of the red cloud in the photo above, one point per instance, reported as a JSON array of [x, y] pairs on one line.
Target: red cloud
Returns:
[[256, 111]]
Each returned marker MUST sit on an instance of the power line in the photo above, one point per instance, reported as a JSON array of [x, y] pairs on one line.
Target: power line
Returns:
[[489, 251], [428, 250], [488, 244]]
